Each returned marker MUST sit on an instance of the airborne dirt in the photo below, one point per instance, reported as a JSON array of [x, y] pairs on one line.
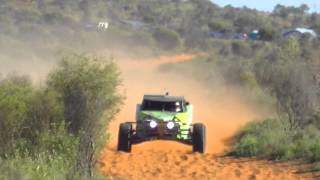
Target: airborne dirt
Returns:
[[220, 108]]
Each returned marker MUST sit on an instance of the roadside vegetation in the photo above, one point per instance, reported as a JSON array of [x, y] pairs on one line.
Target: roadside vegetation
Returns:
[[290, 74], [57, 131], [282, 74]]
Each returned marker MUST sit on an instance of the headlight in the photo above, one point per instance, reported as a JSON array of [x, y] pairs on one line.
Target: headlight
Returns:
[[170, 125], [153, 124]]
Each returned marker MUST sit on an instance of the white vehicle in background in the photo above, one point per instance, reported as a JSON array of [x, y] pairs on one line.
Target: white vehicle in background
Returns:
[[103, 26], [299, 32]]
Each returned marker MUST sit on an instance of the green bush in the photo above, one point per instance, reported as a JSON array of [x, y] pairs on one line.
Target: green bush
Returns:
[[57, 131], [273, 138], [249, 79], [88, 88], [315, 150], [272, 135], [220, 25], [240, 48], [167, 39], [34, 144], [15, 94], [44, 115], [43, 167], [248, 146], [53, 157], [267, 33]]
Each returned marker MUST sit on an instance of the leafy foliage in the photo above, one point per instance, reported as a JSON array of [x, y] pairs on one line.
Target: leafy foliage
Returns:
[[15, 94], [56, 132], [274, 138], [87, 86], [291, 82]]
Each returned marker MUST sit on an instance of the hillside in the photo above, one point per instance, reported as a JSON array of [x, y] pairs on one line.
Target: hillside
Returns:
[[192, 20]]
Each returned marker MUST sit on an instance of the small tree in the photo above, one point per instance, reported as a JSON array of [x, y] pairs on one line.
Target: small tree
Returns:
[[15, 94], [88, 88], [44, 115], [220, 25], [288, 76], [267, 33]]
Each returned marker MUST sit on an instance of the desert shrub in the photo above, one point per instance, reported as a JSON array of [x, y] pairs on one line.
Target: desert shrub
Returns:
[[241, 49], [307, 143], [248, 78], [224, 50], [142, 39], [315, 150], [26, 114], [44, 166], [248, 146], [241, 71], [15, 94], [44, 115], [244, 21], [220, 25], [267, 33], [290, 79], [56, 131], [273, 138], [167, 39], [34, 143], [88, 88], [58, 142]]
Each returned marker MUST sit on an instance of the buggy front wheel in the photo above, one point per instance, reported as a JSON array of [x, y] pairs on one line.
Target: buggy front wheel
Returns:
[[124, 137], [199, 138]]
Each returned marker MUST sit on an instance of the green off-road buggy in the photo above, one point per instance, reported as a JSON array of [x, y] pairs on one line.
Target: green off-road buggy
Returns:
[[162, 117]]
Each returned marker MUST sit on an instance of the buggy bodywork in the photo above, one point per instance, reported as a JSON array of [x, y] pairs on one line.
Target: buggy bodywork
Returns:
[[162, 117]]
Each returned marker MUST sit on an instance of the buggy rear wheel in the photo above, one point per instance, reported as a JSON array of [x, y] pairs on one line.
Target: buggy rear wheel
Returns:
[[124, 137], [199, 138]]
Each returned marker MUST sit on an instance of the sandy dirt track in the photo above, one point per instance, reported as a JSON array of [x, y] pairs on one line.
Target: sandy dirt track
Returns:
[[223, 111], [152, 161]]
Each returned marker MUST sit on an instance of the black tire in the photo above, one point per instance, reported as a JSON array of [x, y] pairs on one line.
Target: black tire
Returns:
[[124, 137], [199, 138]]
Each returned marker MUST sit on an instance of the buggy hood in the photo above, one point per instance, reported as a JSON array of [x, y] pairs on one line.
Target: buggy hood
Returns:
[[164, 115]]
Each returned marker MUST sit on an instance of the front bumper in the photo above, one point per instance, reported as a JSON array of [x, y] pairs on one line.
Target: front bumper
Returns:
[[144, 132]]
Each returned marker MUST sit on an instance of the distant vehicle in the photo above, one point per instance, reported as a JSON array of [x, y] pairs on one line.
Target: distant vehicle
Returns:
[[162, 117], [240, 36], [228, 35], [218, 35], [298, 32], [254, 35], [103, 25]]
